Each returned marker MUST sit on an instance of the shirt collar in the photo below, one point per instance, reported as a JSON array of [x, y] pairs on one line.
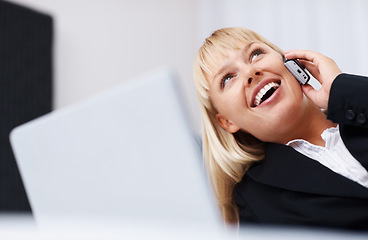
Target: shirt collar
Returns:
[[329, 135]]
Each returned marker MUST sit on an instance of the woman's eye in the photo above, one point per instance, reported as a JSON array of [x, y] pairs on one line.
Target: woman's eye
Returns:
[[226, 79], [255, 53]]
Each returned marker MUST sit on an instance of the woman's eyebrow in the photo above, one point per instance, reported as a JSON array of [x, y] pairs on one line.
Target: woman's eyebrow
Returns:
[[246, 48], [223, 68]]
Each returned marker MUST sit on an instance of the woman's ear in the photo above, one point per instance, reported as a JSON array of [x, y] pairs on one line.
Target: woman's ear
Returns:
[[226, 123]]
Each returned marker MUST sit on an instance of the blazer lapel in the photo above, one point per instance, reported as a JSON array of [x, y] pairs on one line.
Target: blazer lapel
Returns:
[[283, 167]]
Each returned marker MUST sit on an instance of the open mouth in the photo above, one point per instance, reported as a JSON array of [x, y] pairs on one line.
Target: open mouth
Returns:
[[265, 93]]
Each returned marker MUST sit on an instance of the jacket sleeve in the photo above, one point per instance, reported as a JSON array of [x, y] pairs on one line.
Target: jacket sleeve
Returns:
[[348, 102], [348, 106]]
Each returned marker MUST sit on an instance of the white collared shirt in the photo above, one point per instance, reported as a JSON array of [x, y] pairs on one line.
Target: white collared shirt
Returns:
[[333, 155]]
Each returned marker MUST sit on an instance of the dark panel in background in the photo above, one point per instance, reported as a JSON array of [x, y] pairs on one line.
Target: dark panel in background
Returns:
[[25, 88]]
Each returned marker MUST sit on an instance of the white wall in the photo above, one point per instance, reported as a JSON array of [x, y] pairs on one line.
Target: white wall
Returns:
[[337, 28], [101, 43]]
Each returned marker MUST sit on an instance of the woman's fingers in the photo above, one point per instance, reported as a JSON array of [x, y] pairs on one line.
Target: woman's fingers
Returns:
[[327, 67], [302, 54]]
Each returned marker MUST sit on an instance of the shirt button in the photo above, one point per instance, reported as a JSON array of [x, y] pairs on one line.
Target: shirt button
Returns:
[[350, 115], [361, 119]]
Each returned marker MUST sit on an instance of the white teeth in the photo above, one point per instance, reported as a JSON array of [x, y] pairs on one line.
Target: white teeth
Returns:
[[263, 91]]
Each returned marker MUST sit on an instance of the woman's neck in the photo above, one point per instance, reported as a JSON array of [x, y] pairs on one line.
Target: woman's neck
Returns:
[[316, 127], [314, 122]]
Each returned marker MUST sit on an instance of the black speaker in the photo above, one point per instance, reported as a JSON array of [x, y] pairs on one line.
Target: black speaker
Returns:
[[25, 88]]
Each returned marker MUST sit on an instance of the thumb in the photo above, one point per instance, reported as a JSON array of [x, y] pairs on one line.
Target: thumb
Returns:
[[310, 92], [318, 97]]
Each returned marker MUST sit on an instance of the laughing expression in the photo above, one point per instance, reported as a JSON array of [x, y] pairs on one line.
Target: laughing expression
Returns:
[[253, 91]]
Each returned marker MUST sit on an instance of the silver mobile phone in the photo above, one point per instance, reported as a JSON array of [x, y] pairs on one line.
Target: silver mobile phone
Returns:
[[297, 69]]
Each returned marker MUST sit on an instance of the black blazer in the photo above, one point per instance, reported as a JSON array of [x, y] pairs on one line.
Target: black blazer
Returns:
[[290, 188]]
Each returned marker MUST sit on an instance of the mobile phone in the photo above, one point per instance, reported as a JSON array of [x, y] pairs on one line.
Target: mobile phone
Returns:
[[297, 69]]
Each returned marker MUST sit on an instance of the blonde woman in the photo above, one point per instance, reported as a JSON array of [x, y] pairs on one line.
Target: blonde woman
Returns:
[[272, 155]]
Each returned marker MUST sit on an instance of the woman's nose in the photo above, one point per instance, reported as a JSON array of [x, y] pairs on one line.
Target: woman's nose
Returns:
[[251, 77]]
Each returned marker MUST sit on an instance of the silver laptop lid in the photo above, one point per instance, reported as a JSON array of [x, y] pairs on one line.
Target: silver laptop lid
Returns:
[[128, 153]]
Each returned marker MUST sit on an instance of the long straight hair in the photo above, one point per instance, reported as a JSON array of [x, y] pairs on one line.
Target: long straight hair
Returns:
[[227, 156]]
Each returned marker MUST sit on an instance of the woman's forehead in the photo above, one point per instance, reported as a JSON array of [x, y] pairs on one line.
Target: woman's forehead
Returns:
[[216, 56]]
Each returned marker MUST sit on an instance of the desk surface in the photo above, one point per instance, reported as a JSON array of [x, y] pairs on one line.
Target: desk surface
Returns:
[[23, 227]]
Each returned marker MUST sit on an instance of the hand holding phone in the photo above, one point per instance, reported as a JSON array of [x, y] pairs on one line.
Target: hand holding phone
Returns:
[[322, 68]]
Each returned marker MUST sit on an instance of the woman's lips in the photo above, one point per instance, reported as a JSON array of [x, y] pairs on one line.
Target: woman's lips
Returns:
[[265, 89]]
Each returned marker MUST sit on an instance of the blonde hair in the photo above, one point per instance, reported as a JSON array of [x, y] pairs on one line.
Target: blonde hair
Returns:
[[227, 156]]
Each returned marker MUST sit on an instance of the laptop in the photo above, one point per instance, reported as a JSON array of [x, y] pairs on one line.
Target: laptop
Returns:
[[126, 155]]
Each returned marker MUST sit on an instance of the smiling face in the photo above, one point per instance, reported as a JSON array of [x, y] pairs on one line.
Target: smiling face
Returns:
[[253, 91]]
